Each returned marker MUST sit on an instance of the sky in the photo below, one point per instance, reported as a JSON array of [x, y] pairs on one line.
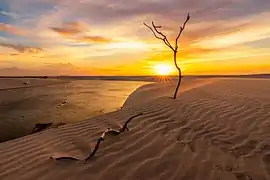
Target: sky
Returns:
[[108, 37]]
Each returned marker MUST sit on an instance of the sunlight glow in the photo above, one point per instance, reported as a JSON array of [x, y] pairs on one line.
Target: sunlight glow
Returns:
[[162, 69]]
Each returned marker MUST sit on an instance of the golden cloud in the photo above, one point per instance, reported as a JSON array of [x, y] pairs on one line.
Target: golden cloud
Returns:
[[23, 49], [66, 32], [95, 39], [77, 32], [70, 28]]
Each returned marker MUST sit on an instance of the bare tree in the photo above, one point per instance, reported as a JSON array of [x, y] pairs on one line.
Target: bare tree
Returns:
[[159, 35]]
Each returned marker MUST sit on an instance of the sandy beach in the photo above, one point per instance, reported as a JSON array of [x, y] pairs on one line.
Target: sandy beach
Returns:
[[215, 129]]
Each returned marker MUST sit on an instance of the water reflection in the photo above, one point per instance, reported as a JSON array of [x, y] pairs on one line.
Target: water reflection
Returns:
[[21, 109]]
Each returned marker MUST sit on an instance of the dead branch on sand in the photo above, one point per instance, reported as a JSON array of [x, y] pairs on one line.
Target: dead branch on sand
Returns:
[[101, 138]]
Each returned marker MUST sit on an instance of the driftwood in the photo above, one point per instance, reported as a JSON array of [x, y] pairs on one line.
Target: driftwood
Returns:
[[125, 127], [101, 138], [122, 128]]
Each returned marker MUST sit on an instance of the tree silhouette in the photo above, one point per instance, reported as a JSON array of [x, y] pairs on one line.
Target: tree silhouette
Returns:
[[159, 35]]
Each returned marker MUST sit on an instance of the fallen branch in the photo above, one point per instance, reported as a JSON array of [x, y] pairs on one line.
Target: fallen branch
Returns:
[[125, 127], [101, 138], [122, 128]]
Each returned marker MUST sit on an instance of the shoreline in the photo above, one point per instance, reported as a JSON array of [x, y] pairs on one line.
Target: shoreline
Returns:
[[22, 83], [125, 104], [32, 86], [263, 75], [58, 102]]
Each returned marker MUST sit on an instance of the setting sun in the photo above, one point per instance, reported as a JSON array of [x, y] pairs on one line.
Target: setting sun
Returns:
[[162, 69]]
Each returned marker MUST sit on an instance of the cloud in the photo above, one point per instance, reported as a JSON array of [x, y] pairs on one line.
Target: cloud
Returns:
[[77, 31], [11, 29], [65, 32], [94, 39], [236, 36], [23, 49], [70, 28], [13, 15], [80, 26], [108, 11], [13, 54]]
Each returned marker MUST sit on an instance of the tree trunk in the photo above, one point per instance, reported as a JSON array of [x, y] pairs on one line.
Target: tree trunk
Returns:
[[179, 75]]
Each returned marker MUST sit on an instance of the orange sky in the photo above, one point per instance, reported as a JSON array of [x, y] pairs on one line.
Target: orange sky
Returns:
[[106, 37]]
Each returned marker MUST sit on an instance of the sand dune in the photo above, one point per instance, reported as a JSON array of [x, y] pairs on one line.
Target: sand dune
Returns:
[[216, 129]]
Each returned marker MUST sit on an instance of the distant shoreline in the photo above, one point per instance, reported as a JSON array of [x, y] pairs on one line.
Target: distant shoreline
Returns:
[[134, 78], [31, 86]]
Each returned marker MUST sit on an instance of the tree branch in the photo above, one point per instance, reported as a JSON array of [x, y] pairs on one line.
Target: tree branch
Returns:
[[124, 127], [164, 37], [155, 32], [180, 32]]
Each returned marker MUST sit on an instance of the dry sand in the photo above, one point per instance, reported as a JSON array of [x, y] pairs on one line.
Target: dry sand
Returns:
[[216, 129]]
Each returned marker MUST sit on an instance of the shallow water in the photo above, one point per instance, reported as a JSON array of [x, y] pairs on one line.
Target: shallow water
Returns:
[[22, 108]]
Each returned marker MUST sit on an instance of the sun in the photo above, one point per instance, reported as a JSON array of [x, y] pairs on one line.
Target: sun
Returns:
[[162, 69]]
